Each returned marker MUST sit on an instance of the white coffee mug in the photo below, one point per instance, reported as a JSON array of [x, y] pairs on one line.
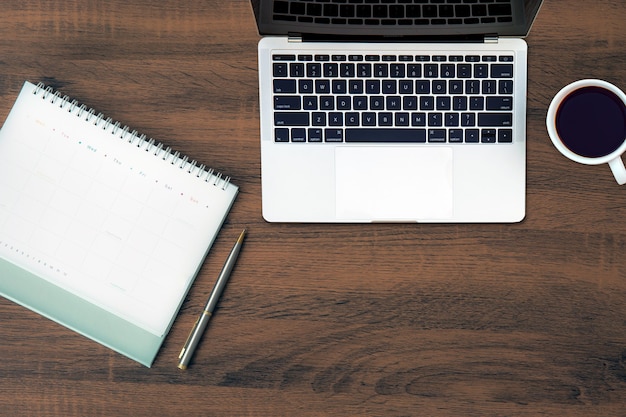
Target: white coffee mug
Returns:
[[586, 122]]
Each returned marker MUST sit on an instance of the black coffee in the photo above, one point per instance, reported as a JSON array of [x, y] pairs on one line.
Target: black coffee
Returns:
[[591, 122]]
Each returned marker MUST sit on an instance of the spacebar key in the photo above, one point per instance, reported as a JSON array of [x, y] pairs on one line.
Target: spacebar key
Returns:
[[386, 135]]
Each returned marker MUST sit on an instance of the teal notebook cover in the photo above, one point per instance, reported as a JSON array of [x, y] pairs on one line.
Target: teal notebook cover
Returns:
[[102, 230], [77, 314]]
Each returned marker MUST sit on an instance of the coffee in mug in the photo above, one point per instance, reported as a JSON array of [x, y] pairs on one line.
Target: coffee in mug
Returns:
[[587, 123]]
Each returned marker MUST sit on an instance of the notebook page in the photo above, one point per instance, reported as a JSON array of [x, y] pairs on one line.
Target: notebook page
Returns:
[[100, 217]]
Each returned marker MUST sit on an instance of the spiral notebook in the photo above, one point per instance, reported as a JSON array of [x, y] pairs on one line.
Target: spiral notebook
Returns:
[[101, 229]]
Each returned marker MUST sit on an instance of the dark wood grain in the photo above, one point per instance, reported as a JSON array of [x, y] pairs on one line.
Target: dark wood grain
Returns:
[[384, 320]]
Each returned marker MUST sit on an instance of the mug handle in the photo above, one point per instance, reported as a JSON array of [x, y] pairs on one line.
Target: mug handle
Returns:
[[619, 172]]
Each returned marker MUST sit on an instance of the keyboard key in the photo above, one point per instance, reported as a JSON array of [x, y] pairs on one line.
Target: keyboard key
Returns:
[[472, 136], [495, 119], [502, 71], [488, 136], [435, 119], [313, 70], [305, 86], [459, 103], [281, 134], [352, 119], [368, 119], [364, 70], [389, 86], [455, 136], [344, 103], [402, 119], [505, 135], [427, 103], [298, 135], [385, 119], [489, 86], [464, 70], [405, 87], [439, 87], [285, 86], [319, 119], [359, 103], [335, 119], [386, 135], [499, 103], [346, 70], [443, 103], [472, 87], [468, 119], [333, 135], [287, 103], [327, 103], [448, 70], [339, 86], [414, 70], [377, 103], [372, 86], [393, 103], [331, 70], [315, 135], [322, 86], [356, 86], [505, 87], [477, 103], [397, 70], [409, 103], [422, 87], [437, 135], [291, 119], [309, 103], [283, 57], [418, 119], [451, 119], [481, 70], [296, 69], [431, 70], [381, 70], [280, 70]]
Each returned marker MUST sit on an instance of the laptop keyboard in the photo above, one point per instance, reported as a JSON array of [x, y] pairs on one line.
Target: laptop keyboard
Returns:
[[366, 98]]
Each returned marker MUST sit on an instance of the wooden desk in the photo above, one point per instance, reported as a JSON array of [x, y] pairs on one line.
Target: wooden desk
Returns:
[[383, 320]]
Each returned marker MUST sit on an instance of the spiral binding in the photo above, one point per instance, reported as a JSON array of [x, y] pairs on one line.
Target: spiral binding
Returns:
[[132, 137]]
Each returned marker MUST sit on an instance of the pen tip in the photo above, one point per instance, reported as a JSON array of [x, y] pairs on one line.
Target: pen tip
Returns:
[[242, 235]]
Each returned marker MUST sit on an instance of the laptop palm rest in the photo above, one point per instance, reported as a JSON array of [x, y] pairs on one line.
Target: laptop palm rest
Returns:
[[398, 183]]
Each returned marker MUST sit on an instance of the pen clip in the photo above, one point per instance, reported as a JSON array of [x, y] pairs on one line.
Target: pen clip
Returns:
[[186, 345]]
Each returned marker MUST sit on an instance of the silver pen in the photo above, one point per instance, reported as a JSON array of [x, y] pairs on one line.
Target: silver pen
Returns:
[[198, 329]]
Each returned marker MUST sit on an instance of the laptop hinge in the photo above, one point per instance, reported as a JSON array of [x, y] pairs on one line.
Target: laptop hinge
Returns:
[[492, 38], [310, 37]]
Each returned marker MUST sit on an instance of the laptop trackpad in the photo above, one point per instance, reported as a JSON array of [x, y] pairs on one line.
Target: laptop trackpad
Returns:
[[393, 183]]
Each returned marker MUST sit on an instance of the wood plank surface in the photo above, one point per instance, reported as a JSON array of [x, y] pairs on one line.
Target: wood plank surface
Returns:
[[520, 319]]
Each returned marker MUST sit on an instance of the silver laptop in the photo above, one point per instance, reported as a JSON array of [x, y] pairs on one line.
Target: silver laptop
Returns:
[[393, 110]]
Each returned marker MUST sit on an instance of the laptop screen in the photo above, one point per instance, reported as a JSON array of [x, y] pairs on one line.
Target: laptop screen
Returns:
[[388, 19]]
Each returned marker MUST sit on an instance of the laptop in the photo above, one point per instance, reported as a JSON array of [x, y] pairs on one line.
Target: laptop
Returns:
[[393, 110]]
